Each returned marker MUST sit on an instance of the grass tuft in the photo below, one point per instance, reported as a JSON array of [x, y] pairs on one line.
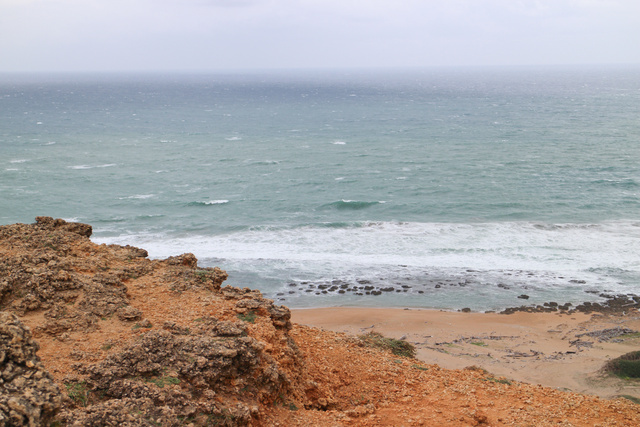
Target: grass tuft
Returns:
[[397, 347], [78, 392], [162, 381], [249, 316]]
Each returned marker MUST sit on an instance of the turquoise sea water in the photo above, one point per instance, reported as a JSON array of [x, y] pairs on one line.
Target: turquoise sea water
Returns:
[[434, 188]]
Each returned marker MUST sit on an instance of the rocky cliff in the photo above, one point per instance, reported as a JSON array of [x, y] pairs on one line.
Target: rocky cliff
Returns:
[[97, 335]]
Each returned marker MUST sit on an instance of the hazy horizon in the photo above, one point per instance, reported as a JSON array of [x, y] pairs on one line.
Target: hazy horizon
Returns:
[[196, 36]]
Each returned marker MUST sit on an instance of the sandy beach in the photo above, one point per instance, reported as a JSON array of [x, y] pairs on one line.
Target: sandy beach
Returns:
[[563, 351]]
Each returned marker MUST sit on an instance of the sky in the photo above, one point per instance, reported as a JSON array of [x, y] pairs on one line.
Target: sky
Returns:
[[213, 35]]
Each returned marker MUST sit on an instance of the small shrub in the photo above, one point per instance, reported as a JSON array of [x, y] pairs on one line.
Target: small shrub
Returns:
[[397, 347], [625, 366], [78, 392], [478, 369]]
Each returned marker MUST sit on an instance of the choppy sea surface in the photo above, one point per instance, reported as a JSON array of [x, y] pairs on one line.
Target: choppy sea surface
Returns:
[[443, 188]]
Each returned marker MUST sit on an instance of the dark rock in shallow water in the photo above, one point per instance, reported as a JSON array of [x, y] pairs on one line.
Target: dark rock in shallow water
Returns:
[[523, 296], [387, 289], [613, 304]]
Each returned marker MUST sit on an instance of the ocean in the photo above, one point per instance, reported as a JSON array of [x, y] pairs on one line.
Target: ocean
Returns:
[[436, 188]]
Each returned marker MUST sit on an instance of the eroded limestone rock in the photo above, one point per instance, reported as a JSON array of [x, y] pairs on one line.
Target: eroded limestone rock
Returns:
[[28, 395]]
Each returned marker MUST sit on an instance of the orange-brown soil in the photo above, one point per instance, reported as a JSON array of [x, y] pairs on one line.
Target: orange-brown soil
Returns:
[[136, 342], [561, 350]]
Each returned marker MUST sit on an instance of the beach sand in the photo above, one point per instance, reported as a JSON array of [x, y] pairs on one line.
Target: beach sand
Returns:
[[563, 351]]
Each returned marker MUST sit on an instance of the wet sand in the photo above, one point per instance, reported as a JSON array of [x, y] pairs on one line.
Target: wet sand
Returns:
[[563, 351]]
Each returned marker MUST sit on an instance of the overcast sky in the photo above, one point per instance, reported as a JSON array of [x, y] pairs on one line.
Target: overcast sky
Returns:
[[201, 35]]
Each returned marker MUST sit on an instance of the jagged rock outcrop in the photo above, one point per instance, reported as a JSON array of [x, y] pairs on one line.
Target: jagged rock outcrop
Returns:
[[166, 374], [205, 370], [28, 394]]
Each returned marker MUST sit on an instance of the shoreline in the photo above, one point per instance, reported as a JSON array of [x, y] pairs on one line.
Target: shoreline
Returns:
[[610, 303], [558, 349]]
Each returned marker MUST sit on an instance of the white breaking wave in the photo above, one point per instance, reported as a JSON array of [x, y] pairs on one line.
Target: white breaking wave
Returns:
[[81, 167], [138, 196], [564, 249]]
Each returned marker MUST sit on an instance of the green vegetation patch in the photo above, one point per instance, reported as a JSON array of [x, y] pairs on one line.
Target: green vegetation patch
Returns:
[[162, 381], [249, 316], [625, 366], [78, 392], [497, 380], [631, 398], [397, 347], [629, 336]]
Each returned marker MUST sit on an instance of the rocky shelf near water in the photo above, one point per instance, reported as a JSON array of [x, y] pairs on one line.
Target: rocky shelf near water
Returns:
[[611, 304]]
